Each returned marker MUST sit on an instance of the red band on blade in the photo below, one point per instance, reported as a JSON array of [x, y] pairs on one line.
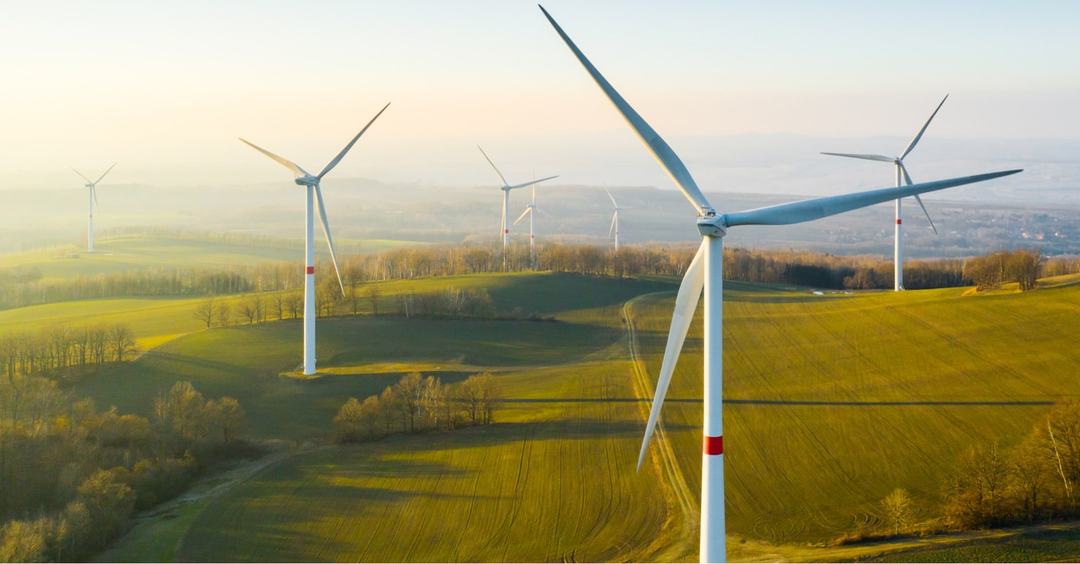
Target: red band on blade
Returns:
[[898, 222], [311, 270], [714, 445]]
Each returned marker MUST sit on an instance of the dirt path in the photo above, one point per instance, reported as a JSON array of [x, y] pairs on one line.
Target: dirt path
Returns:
[[681, 501]]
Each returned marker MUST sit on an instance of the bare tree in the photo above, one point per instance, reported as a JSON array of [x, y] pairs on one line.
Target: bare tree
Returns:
[[224, 314], [206, 312], [898, 509]]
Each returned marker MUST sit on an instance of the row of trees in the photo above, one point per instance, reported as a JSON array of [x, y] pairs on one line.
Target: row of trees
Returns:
[[81, 473], [1033, 481], [992, 270], [417, 404], [21, 288], [58, 348]]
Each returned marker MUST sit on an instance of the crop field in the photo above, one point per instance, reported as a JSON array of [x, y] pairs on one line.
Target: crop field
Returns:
[[831, 402], [117, 253]]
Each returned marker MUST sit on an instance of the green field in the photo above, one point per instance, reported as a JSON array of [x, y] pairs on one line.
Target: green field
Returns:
[[118, 253], [831, 402]]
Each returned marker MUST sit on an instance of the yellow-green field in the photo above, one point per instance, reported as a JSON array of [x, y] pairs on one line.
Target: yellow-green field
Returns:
[[831, 402], [116, 253]]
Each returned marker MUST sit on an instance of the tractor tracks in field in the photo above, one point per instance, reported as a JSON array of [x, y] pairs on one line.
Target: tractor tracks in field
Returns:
[[662, 456]]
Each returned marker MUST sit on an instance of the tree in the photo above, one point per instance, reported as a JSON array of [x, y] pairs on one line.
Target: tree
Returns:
[[373, 295], [410, 396], [206, 312], [121, 341], [898, 509], [347, 422], [108, 500], [250, 309], [227, 415], [224, 314]]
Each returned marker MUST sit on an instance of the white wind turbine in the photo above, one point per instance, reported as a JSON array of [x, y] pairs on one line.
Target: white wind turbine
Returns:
[[92, 200], [706, 273], [902, 178], [504, 226], [530, 211], [614, 219], [314, 191]]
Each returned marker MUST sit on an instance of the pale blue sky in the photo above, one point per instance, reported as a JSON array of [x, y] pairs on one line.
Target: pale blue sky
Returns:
[[167, 87]]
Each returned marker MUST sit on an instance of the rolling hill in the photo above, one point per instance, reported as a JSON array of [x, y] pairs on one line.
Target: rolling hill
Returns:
[[831, 402]]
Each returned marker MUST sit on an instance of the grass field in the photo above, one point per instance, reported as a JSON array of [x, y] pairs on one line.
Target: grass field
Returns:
[[117, 253], [831, 402]]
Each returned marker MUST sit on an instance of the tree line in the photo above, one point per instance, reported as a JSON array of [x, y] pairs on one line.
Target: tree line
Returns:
[[82, 473], [991, 271], [21, 287], [417, 404], [60, 348]]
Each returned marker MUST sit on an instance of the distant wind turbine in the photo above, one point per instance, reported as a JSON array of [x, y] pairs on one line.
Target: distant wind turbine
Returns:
[[314, 191], [614, 219], [706, 273], [902, 178], [530, 211], [92, 200], [506, 187]]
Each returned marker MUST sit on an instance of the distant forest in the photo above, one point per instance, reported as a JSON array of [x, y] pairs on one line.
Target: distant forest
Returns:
[[26, 286]]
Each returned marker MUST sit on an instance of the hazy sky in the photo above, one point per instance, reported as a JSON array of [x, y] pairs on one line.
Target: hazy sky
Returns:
[[166, 87]]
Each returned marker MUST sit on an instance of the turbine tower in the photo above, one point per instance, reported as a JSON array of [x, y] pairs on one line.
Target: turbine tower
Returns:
[[706, 273], [902, 178], [614, 219], [530, 211], [314, 192], [91, 196], [504, 226]]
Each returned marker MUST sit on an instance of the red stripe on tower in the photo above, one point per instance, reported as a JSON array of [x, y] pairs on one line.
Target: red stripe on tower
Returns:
[[714, 445], [898, 221], [311, 270]]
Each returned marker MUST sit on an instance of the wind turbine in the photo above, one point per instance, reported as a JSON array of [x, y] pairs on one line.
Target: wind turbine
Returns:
[[614, 219], [506, 188], [902, 178], [530, 211], [314, 191], [706, 273], [92, 197]]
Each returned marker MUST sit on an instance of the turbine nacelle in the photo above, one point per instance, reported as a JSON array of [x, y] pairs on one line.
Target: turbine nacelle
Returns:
[[307, 180], [712, 225]]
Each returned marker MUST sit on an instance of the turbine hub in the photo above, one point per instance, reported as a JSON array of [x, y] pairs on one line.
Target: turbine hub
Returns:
[[711, 225], [306, 180]]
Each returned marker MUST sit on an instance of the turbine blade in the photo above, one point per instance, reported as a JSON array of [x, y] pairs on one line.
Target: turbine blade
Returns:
[[329, 237], [610, 197], [527, 184], [817, 208], [918, 136], [881, 158], [82, 175], [657, 146], [611, 230], [104, 173], [523, 215], [93, 192], [330, 166], [495, 168], [685, 305], [907, 179], [932, 226], [280, 160]]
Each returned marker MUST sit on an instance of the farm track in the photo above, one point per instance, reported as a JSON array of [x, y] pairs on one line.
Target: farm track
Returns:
[[662, 455]]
